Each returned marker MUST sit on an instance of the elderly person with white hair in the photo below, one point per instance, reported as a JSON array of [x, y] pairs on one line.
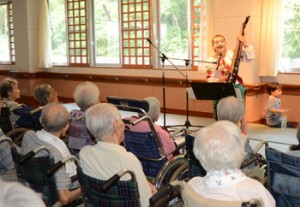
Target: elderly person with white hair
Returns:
[[143, 126], [232, 109], [220, 149], [44, 94], [85, 95], [108, 157], [10, 92], [14, 194], [29, 116], [55, 122]]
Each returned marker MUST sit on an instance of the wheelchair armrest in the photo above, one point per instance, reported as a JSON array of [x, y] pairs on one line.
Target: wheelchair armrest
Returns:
[[60, 163]]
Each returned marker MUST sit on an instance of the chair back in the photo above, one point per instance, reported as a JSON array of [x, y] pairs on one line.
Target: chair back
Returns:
[[195, 167], [146, 148], [28, 119], [5, 122], [34, 172], [122, 193], [283, 177]]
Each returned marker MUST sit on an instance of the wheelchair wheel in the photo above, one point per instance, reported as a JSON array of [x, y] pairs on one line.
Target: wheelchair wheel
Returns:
[[174, 169]]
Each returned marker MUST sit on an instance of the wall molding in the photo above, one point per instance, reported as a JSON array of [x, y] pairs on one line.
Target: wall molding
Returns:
[[252, 89]]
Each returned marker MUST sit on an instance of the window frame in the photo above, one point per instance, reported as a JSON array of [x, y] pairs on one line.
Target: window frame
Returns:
[[147, 49], [11, 38]]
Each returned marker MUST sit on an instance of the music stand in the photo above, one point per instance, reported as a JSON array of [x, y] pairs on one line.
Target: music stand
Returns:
[[213, 91]]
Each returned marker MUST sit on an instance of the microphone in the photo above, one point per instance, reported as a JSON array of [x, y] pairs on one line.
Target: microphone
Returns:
[[218, 61], [149, 41]]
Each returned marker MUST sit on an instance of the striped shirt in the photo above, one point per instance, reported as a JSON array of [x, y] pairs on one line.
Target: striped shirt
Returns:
[[30, 142]]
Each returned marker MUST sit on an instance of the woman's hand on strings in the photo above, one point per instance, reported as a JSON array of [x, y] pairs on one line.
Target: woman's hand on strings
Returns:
[[242, 38]]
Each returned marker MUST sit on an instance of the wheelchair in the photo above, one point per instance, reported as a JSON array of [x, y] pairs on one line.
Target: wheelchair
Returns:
[[283, 177], [189, 198], [148, 147], [112, 192], [37, 172]]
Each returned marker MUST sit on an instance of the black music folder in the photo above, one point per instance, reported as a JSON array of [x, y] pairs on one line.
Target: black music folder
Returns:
[[213, 91]]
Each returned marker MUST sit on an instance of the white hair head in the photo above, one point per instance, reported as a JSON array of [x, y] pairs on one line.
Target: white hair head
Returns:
[[231, 109], [14, 194], [86, 94], [54, 117], [154, 107], [219, 146], [100, 120]]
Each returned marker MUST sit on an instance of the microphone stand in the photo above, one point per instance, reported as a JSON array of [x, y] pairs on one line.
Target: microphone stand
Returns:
[[187, 123], [163, 57]]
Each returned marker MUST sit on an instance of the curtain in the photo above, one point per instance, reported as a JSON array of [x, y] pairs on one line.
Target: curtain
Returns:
[[205, 32], [44, 37], [270, 37]]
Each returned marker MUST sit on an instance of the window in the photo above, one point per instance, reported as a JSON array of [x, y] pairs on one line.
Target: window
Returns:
[[290, 42], [115, 32], [58, 32], [7, 44], [174, 28], [180, 30], [107, 32]]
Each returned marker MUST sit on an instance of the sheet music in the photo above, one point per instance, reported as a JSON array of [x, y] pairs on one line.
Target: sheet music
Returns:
[[191, 93]]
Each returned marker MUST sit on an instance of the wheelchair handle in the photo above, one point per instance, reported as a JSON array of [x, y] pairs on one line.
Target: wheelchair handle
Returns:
[[54, 168], [110, 182], [60, 163], [27, 157], [30, 154], [115, 178], [164, 195]]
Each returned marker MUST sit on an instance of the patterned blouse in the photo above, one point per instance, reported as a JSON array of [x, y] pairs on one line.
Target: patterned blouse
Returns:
[[212, 74]]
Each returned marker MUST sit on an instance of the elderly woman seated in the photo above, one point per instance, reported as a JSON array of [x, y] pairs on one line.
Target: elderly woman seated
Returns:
[[85, 95], [220, 149], [29, 116], [108, 157], [10, 92], [143, 126]]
